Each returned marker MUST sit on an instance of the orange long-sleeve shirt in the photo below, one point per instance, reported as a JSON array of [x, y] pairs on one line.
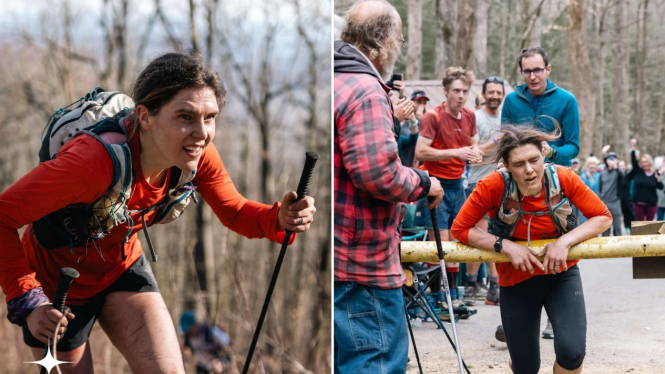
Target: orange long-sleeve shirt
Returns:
[[81, 173], [486, 199]]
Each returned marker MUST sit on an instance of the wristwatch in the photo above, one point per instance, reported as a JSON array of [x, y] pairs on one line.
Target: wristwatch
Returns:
[[498, 245], [553, 152]]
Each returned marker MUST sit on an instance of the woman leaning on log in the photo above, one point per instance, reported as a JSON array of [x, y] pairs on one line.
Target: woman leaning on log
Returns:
[[527, 284]]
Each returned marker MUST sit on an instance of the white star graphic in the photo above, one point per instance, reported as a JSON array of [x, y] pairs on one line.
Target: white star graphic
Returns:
[[48, 362]]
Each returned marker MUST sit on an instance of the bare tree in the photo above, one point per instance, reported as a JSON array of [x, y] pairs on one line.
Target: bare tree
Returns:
[[414, 60], [620, 81], [583, 85], [466, 30], [446, 16], [478, 60]]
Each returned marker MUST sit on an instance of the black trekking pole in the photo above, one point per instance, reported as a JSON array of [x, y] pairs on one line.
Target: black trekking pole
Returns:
[[442, 262], [413, 339], [303, 185], [67, 276]]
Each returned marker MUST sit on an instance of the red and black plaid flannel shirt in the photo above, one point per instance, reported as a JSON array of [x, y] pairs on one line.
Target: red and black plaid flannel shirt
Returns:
[[370, 184]]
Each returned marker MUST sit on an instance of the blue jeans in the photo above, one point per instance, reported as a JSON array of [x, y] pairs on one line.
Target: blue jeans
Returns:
[[370, 330], [446, 212]]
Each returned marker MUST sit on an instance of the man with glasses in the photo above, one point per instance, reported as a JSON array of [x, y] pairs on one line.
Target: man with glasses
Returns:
[[488, 123], [540, 102]]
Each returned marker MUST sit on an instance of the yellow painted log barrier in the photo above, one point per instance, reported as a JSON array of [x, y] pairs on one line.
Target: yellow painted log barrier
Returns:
[[604, 247]]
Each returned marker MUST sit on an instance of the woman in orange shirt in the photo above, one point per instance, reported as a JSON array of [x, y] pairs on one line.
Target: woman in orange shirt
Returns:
[[177, 100], [527, 285]]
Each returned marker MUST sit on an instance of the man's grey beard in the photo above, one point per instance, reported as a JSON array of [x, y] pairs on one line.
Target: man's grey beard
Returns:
[[388, 64]]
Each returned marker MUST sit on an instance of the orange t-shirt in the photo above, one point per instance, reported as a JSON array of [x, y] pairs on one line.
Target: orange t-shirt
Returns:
[[486, 199], [448, 133], [82, 173]]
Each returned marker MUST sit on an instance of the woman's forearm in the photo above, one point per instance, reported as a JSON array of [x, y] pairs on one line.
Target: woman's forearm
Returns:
[[589, 229], [481, 239]]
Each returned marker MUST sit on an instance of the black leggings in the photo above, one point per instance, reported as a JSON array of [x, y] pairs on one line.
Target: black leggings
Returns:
[[521, 306]]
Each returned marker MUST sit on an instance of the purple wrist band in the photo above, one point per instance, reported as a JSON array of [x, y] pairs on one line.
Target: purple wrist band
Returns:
[[19, 307]]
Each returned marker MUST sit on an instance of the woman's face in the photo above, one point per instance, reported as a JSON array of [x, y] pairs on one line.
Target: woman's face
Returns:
[[622, 166], [592, 166], [183, 127], [525, 163], [645, 164]]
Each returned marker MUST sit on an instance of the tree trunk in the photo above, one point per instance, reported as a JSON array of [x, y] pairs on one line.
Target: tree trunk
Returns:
[[121, 42], [533, 25], [505, 9], [192, 27], [439, 44], [642, 128], [620, 83], [583, 85], [466, 30], [449, 32], [599, 138], [414, 61], [478, 59]]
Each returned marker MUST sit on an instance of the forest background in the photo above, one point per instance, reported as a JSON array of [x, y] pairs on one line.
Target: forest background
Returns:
[[274, 59], [607, 52]]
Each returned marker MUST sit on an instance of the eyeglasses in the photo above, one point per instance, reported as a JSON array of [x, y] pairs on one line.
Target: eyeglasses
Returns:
[[494, 80], [537, 72], [401, 42]]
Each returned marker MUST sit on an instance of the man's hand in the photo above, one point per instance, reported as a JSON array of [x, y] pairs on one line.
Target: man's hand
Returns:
[[404, 109], [420, 111], [472, 155], [606, 148], [296, 216], [546, 148], [43, 320], [520, 256], [435, 193], [399, 85], [556, 254], [633, 144]]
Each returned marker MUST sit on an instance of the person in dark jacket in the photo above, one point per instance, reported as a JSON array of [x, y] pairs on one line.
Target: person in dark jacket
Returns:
[[626, 199], [645, 182], [609, 191], [370, 185]]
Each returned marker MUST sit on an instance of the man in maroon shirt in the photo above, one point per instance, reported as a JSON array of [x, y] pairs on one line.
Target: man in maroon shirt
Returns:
[[370, 184]]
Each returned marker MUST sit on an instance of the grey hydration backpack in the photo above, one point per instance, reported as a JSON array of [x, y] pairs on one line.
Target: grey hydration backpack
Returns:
[[101, 115]]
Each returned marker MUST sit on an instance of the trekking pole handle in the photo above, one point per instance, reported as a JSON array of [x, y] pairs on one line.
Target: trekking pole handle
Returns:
[[67, 276], [437, 234], [310, 162]]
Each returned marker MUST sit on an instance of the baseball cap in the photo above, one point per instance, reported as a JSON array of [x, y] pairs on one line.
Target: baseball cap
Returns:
[[611, 156], [419, 95], [575, 161]]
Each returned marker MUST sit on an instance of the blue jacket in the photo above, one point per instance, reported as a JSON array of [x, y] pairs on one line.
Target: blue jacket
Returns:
[[555, 102], [591, 181]]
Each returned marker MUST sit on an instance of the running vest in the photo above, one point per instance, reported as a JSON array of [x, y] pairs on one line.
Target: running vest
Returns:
[[558, 206], [102, 116]]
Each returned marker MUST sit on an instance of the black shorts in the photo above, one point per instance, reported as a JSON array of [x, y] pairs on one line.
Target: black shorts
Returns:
[[137, 278]]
